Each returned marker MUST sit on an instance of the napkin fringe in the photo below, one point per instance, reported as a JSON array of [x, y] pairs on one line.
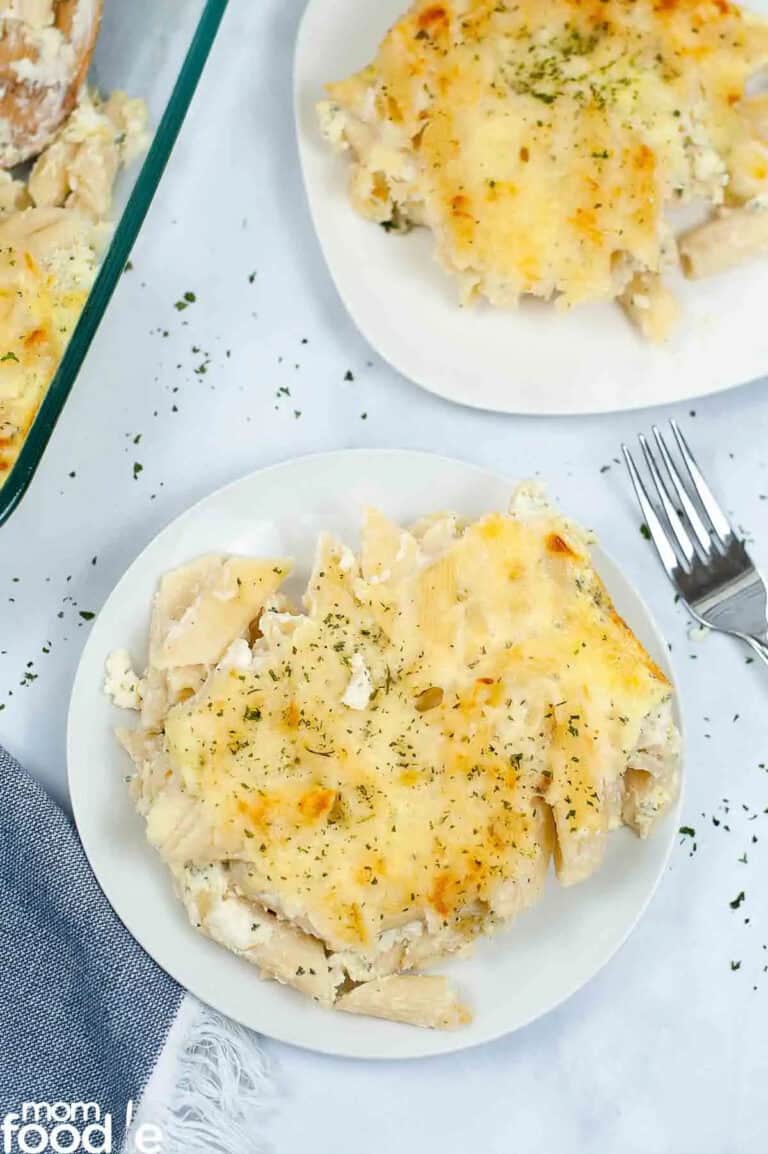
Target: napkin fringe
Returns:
[[220, 1089]]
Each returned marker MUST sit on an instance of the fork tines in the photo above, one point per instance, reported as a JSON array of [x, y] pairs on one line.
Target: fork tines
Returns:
[[687, 524]]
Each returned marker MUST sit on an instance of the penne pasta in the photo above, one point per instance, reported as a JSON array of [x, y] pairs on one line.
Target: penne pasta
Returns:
[[651, 306], [726, 241], [416, 999], [755, 108], [545, 143], [281, 951], [352, 793]]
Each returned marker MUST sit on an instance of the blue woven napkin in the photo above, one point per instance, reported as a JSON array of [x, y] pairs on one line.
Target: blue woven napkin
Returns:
[[84, 1012]]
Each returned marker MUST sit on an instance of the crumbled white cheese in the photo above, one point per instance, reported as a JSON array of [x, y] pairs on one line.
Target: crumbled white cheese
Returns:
[[238, 656], [436, 539], [346, 559], [275, 625], [402, 548], [378, 578], [658, 743], [358, 692], [530, 498], [235, 924], [407, 933], [121, 683], [332, 120], [707, 164]]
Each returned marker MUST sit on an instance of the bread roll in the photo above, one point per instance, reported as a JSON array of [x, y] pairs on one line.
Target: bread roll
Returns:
[[45, 53]]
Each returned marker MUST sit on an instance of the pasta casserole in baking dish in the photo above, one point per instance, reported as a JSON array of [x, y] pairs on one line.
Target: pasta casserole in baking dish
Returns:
[[347, 792], [545, 142], [53, 217]]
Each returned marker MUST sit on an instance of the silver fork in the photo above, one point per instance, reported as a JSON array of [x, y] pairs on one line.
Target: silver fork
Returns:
[[702, 556]]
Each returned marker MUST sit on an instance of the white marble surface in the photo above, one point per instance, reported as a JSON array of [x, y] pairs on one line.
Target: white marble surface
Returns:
[[666, 1050]]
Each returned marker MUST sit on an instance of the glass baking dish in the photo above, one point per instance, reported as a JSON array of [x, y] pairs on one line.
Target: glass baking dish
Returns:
[[154, 49]]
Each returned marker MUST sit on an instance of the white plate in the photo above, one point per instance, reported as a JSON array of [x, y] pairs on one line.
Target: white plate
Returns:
[[533, 360], [552, 950]]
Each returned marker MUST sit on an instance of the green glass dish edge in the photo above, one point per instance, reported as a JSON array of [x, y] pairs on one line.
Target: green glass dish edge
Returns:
[[25, 467]]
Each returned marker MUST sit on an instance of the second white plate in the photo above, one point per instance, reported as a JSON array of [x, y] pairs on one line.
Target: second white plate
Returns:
[[546, 956], [534, 360]]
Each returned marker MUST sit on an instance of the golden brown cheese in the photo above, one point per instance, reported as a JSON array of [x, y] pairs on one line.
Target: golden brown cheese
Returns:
[[345, 795], [398, 753], [52, 231], [542, 140], [38, 312]]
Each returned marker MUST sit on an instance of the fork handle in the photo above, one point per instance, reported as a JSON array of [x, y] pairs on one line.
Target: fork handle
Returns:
[[760, 646]]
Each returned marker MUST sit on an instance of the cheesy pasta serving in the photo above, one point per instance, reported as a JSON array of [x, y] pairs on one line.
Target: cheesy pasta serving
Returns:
[[544, 142], [53, 227], [348, 792]]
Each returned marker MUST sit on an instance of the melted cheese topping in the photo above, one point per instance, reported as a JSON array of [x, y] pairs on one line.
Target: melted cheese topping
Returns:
[[397, 754], [52, 229], [541, 140]]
